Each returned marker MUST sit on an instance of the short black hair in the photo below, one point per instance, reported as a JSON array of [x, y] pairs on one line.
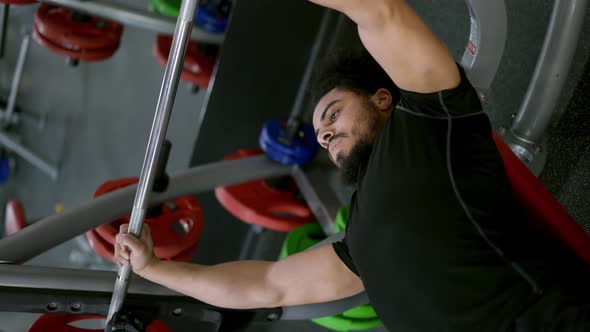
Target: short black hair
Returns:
[[352, 70]]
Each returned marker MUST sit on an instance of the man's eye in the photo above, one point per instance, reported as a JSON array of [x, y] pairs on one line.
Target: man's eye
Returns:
[[334, 116]]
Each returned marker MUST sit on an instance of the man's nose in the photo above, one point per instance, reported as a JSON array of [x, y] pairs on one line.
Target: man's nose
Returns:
[[325, 138]]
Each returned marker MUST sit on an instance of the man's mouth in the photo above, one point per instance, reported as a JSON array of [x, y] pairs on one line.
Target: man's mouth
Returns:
[[332, 149]]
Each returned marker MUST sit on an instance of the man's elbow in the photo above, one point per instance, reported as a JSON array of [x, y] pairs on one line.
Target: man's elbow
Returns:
[[365, 13]]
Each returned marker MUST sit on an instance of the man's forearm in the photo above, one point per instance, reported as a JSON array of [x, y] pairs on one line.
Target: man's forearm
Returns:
[[237, 285]]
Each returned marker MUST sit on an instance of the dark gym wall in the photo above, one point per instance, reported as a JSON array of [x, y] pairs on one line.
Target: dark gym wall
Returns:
[[264, 54]]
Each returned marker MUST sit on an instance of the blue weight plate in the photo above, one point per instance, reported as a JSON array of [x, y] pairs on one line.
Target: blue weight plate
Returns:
[[281, 157], [284, 150], [4, 170], [209, 18], [303, 147]]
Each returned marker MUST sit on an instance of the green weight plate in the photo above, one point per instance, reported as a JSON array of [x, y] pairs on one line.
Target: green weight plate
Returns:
[[341, 218], [362, 312], [165, 7], [359, 318], [339, 323], [301, 238]]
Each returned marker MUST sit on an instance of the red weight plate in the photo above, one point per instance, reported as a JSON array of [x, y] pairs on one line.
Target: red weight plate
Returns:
[[188, 217], [107, 251], [81, 54], [100, 246], [198, 67], [18, 2], [540, 206], [256, 203], [61, 323], [14, 217], [168, 242], [57, 25], [184, 256]]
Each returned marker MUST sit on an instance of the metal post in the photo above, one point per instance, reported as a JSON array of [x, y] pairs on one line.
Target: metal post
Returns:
[[157, 135], [10, 144], [119, 12], [44, 235], [9, 116], [294, 122], [72, 279], [25, 279], [525, 138], [294, 118], [249, 245], [316, 191], [18, 74], [4, 11]]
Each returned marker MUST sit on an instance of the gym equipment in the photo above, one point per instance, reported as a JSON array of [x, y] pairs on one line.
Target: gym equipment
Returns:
[[105, 249], [14, 217], [481, 59], [24, 280], [74, 35], [130, 15], [213, 15], [9, 117], [153, 157], [199, 59], [293, 142], [263, 206], [281, 148], [540, 205], [306, 236], [18, 2], [63, 323], [4, 169], [341, 218], [198, 64], [165, 7], [4, 14], [170, 243], [527, 135], [356, 319], [31, 241], [257, 203]]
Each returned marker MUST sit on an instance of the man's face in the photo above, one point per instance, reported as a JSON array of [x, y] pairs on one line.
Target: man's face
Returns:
[[344, 119]]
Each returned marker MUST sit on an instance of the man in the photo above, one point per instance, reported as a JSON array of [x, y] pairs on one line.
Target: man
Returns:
[[434, 237]]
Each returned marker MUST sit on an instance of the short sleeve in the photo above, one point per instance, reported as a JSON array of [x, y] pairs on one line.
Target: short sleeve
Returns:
[[341, 249], [460, 101]]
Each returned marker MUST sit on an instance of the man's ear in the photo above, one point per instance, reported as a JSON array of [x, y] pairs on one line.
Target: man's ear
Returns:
[[383, 100]]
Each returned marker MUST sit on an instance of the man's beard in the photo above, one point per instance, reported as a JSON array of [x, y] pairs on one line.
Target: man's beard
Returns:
[[355, 163]]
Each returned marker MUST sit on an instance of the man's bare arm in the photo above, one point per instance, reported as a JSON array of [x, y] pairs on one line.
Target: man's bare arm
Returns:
[[414, 58], [313, 276]]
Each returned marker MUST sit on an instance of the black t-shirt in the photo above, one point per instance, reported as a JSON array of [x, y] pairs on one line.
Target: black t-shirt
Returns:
[[433, 233]]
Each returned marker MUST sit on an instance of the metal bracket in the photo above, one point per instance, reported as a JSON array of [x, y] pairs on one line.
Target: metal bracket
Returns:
[[8, 116]]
